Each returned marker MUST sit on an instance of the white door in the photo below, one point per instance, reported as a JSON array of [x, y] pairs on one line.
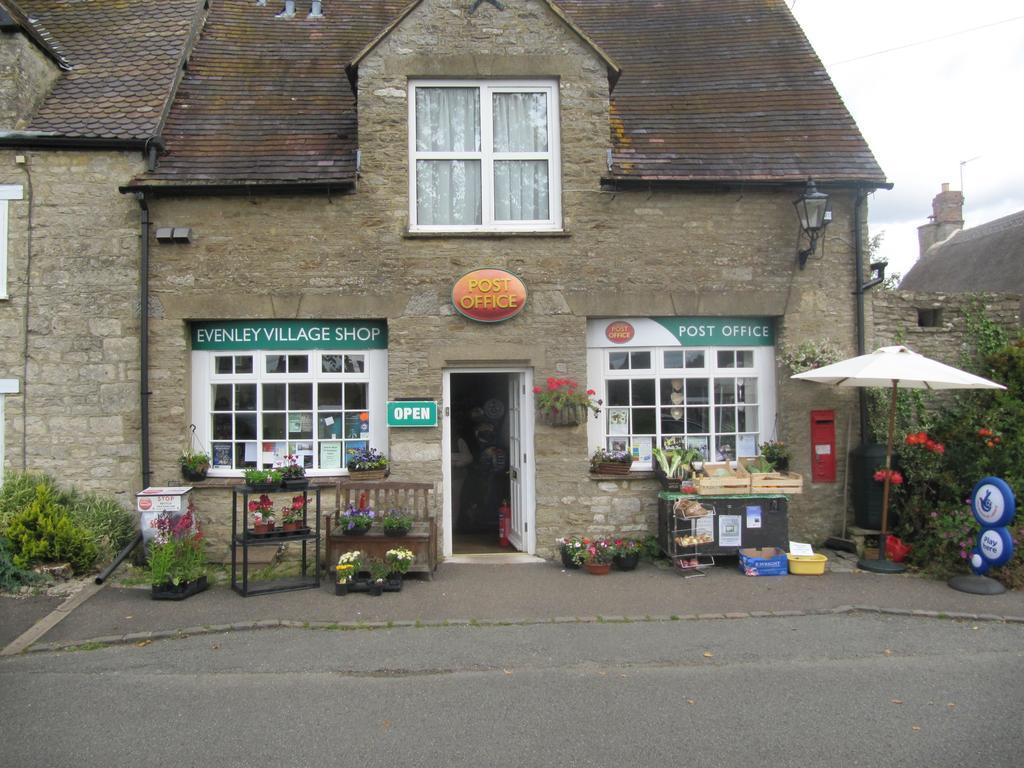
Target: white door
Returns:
[[517, 529]]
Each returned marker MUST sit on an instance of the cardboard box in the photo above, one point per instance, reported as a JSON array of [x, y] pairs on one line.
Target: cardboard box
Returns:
[[161, 499], [763, 561]]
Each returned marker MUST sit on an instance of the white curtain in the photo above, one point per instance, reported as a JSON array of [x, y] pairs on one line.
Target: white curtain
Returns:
[[448, 191], [520, 186]]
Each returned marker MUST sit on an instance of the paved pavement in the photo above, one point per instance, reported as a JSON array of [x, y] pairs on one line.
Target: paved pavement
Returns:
[[496, 594]]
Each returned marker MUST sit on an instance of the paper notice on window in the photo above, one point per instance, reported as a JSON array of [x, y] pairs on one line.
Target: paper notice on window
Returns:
[[618, 421], [746, 445], [330, 455], [730, 531], [641, 449], [799, 548], [250, 451], [753, 517], [704, 528]]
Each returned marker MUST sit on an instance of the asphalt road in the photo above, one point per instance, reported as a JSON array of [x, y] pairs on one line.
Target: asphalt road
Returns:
[[850, 690]]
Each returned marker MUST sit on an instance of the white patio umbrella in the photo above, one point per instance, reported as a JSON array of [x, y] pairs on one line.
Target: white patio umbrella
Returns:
[[894, 367]]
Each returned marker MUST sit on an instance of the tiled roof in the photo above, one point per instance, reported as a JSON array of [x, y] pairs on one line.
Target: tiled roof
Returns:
[[988, 258], [124, 55], [719, 90], [711, 91], [267, 100], [12, 18]]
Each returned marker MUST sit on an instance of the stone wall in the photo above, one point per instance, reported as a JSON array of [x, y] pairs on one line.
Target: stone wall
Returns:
[[650, 252], [26, 76], [895, 320], [81, 390]]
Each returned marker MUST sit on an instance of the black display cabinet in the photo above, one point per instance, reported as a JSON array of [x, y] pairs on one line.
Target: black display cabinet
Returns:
[[763, 521], [243, 537]]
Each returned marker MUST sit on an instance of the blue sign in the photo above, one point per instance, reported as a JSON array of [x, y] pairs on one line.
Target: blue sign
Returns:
[[993, 505]]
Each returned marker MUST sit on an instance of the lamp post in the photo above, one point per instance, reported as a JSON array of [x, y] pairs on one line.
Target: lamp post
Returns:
[[814, 212]]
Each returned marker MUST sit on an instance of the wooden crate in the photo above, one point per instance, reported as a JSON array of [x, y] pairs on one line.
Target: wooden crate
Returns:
[[721, 480], [773, 482]]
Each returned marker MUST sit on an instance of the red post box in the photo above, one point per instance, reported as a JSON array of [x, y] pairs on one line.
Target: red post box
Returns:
[[823, 446]]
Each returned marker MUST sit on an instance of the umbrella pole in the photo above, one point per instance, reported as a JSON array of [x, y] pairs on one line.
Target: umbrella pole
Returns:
[[883, 564]]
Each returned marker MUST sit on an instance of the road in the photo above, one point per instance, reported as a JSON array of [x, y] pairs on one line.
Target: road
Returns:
[[850, 690]]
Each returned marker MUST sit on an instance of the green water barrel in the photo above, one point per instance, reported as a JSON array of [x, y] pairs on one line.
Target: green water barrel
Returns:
[[865, 460]]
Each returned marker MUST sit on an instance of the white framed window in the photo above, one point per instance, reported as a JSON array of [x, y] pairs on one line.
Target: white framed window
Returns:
[[7, 387], [251, 408], [7, 192], [484, 156], [720, 400]]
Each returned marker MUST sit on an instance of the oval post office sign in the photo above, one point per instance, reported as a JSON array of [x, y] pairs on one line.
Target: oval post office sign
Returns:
[[489, 295]]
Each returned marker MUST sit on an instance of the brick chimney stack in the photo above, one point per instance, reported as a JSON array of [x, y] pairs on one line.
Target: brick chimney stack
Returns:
[[947, 217]]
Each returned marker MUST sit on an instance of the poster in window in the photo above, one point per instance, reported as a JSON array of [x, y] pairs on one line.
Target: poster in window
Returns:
[[746, 445], [618, 446], [330, 455], [641, 449], [352, 428], [673, 443], [222, 454], [300, 423], [618, 421], [353, 447]]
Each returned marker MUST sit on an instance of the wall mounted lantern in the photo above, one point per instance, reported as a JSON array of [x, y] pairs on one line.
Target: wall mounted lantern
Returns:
[[814, 211]]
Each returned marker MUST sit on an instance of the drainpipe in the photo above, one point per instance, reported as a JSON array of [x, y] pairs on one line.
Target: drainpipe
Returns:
[[144, 335], [858, 249]]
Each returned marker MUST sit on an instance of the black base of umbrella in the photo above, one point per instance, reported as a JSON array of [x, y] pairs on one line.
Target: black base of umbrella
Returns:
[[976, 585], [881, 566]]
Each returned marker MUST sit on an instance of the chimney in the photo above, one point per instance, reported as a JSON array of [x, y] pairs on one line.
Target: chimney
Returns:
[[947, 217]]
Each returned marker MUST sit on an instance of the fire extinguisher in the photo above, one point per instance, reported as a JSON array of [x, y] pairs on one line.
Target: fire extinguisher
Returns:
[[504, 521]]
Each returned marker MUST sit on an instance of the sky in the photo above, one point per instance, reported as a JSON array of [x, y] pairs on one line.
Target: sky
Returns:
[[948, 101]]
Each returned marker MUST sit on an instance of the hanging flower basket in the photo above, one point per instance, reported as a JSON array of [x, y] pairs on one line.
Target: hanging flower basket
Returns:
[[567, 416]]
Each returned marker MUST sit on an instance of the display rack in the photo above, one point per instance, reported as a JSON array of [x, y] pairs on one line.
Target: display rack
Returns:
[[687, 536], [243, 537]]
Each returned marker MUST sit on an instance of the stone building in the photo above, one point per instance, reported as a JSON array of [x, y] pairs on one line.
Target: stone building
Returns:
[[252, 222]]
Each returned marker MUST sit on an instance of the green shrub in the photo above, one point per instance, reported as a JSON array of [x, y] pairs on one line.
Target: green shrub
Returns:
[[44, 531], [11, 576], [17, 492], [110, 525]]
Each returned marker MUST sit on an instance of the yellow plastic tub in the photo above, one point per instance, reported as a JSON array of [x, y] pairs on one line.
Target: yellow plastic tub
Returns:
[[807, 565]]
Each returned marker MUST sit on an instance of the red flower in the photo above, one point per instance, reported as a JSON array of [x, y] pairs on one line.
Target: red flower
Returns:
[[537, 390], [591, 392], [552, 382], [984, 432]]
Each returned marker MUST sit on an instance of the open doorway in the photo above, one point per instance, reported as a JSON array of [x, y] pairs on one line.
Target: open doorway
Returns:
[[480, 476]]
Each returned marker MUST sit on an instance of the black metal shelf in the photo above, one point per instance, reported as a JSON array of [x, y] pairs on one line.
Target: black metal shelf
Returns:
[[242, 538]]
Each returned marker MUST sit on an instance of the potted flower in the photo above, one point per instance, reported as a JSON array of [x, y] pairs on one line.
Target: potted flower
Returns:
[[177, 557], [347, 571], [604, 462], [368, 464], [562, 404], [194, 466], [357, 520], [293, 474], [572, 550], [379, 571], [262, 479], [599, 556], [398, 560], [262, 515], [293, 514], [627, 554], [776, 452], [396, 522]]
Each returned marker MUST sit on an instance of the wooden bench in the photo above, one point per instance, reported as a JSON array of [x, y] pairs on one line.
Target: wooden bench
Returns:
[[382, 495]]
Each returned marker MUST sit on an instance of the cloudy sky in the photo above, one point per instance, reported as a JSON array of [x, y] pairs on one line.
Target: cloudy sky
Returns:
[[952, 91]]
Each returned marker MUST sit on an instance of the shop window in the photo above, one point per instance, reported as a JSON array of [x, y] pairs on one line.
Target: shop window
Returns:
[[484, 156], [713, 399], [253, 409], [7, 192]]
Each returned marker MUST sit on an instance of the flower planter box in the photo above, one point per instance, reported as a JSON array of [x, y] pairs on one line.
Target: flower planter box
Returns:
[[295, 483], [367, 474], [179, 592], [611, 468]]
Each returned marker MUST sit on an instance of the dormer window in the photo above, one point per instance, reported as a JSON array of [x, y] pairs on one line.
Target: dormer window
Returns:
[[484, 156]]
